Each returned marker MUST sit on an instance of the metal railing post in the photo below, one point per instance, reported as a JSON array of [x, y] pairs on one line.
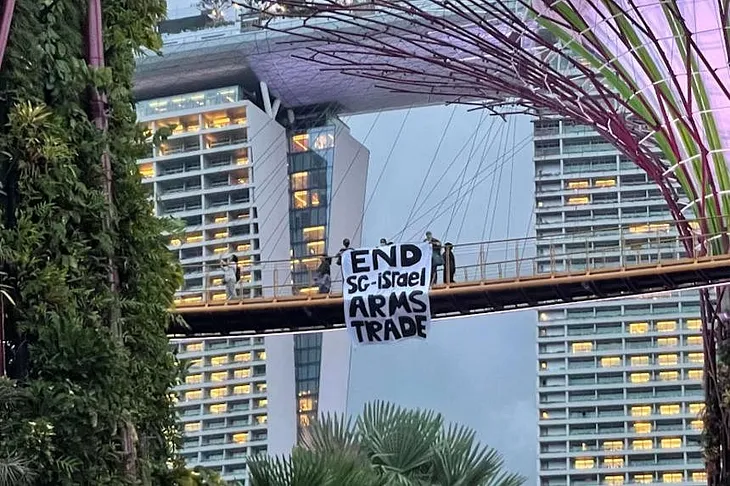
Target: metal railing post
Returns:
[[447, 268], [206, 283], [517, 259], [276, 281]]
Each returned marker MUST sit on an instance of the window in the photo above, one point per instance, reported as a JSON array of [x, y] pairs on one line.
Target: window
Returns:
[[242, 357], [642, 427], [242, 389], [577, 184], [639, 360], [610, 361], [196, 363], [697, 424], [699, 476], [219, 376], [696, 407], [641, 445], [585, 347], [669, 375], [578, 200], [666, 326], [615, 480], [194, 347], [192, 427], [672, 477], [584, 463], [194, 395], [613, 445], [244, 373], [260, 387], [639, 377], [260, 355], [301, 199], [641, 411], [694, 340], [671, 443], [613, 462], [300, 142], [669, 409], [262, 419], [605, 183], [240, 438], [668, 359], [218, 408], [638, 327], [694, 324], [192, 379], [667, 342], [218, 360], [695, 357], [694, 374], [218, 392], [543, 365], [643, 478]]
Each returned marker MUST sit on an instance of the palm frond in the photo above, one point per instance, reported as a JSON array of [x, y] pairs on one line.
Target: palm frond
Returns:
[[15, 471], [330, 433]]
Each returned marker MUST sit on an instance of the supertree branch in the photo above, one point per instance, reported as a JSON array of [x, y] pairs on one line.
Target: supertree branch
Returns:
[[650, 76]]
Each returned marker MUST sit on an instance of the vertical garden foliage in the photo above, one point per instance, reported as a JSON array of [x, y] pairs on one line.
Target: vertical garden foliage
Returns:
[[61, 417]]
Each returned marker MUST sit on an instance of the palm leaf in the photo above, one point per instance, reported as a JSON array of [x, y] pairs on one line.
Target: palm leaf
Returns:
[[15, 471]]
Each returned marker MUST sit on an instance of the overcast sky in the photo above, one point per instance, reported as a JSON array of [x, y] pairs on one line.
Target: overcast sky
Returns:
[[477, 371]]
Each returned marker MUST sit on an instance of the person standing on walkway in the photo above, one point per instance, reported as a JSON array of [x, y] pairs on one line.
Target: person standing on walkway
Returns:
[[323, 279], [436, 258], [229, 276], [345, 247], [449, 263]]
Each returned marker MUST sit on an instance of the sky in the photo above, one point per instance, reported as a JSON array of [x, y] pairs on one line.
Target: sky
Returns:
[[477, 371]]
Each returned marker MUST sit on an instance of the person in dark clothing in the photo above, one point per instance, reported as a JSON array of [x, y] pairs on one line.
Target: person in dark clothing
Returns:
[[323, 278], [384, 242], [345, 247], [449, 263], [436, 258]]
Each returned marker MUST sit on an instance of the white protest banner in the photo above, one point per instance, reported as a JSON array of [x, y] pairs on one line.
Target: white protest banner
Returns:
[[386, 292]]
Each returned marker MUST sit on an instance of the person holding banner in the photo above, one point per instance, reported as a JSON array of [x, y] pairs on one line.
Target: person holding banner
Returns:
[[436, 258]]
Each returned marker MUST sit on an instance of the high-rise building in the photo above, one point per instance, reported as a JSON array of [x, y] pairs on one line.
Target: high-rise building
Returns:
[[243, 183], [619, 382]]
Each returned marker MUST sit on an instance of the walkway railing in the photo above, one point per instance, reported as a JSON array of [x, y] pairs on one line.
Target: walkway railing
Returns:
[[618, 248]]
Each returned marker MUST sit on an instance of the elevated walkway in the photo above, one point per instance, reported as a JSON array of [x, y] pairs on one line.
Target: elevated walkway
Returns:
[[638, 263]]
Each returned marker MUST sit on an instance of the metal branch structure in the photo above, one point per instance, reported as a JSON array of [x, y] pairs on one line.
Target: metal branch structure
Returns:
[[651, 76]]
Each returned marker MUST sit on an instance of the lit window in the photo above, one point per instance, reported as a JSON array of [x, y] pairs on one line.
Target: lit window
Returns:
[[300, 143], [578, 200], [242, 389], [196, 363], [610, 361], [639, 360], [219, 376], [642, 427], [582, 347], [614, 480], [218, 392], [695, 357], [543, 365], [669, 375], [668, 359], [221, 235], [544, 415], [672, 477], [218, 408], [605, 182], [639, 377], [220, 249], [244, 373], [242, 160], [697, 424], [194, 238], [221, 219], [306, 404], [192, 379], [314, 233], [192, 427], [261, 403], [695, 374], [299, 180], [315, 247], [260, 355], [638, 327], [242, 357], [240, 438], [613, 445], [671, 443], [193, 347], [219, 296], [643, 478], [262, 419], [260, 387], [577, 184], [146, 170], [243, 247], [315, 198], [666, 326], [699, 476], [194, 395], [667, 342], [613, 462], [641, 445], [641, 411], [694, 340], [584, 463], [694, 324], [175, 242], [301, 199], [696, 407], [218, 360], [669, 409]]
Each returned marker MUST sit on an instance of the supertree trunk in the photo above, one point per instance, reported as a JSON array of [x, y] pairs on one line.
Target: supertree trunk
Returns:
[[650, 76]]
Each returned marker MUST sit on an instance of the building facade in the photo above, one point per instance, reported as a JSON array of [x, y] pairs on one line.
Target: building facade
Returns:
[[244, 182], [619, 382]]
